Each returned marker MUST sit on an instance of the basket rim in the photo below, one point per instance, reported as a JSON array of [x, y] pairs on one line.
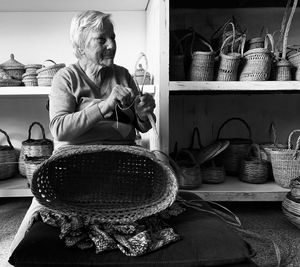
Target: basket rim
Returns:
[[56, 66]]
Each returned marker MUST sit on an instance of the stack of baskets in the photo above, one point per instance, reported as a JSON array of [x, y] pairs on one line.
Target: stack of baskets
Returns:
[[30, 75], [33, 153], [46, 73], [286, 162], [291, 203], [8, 159]]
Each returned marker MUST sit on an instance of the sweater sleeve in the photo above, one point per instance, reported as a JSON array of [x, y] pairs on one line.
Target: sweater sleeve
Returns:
[[65, 122]]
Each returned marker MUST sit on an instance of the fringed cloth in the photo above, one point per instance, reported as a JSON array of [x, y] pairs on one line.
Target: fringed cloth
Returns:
[[134, 239]]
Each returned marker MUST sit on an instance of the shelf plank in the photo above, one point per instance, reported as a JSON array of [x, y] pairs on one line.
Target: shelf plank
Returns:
[[235, 190], [15, 187], [235, 86], [45, 90], [72, 5]]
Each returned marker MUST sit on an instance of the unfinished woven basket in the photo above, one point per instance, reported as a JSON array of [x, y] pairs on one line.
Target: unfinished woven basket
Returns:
[[115, 183], [8, 159], [286, 162]]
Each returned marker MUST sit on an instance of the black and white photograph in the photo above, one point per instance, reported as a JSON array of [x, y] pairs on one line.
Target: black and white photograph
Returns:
[[152, 133]]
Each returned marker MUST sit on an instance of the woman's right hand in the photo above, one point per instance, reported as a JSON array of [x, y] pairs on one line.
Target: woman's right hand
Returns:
[[120, 95]]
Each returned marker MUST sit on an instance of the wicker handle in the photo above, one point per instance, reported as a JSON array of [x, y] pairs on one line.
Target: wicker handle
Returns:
[[179, 42], [42, 129], [220, 29], [202, 40], [269, 39], [238, 119], [7, 138], [49, 60], [196, 134], [243, 43], [233, 35], [290, 138]]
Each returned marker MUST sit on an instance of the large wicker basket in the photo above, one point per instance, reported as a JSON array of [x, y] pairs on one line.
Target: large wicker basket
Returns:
[[8, 159], [115, 183], [46, 73], [286, 162]]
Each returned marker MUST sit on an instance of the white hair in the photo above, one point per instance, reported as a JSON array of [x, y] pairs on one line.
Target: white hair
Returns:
[[82, 24]]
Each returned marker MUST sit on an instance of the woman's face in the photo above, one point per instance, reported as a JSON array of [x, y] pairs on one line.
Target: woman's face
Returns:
[[100, 48]]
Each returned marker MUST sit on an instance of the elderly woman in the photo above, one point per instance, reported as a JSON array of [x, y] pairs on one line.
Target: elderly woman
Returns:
[[93, 100]]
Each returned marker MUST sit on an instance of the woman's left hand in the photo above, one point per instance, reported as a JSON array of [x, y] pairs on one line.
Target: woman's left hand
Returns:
[[144, 105]]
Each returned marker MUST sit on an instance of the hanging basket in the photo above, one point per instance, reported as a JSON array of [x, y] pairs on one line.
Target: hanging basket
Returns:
[[229, 62], [256, 63], [237, 149], [140, 74], [254, 169], [202, 65], [8, 159]]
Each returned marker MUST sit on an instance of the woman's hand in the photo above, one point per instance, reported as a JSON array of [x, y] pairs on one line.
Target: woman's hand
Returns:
[[120, 95], [144, 105]]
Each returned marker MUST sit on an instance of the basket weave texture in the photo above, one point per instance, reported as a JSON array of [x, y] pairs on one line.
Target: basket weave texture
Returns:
[[286, 162], [46, 73], [115, 183], [8, 159]]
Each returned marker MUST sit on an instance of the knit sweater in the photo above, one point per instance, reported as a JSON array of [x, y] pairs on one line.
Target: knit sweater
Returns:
[[75, 117]]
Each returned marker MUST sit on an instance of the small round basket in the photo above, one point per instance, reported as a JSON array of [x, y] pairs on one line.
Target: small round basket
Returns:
[[254, 169], [115, 183], [32, 68], [30, 79], [46, 73], [286, 162], [213, 174], [8, 159]]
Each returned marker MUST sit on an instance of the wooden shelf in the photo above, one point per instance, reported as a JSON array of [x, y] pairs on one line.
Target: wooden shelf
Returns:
[[231, 190], [235, 190], [72, 5], [15, 187], [235, 86], [45, 90]]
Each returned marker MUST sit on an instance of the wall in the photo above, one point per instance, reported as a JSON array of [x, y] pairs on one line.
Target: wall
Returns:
[[34, 37]]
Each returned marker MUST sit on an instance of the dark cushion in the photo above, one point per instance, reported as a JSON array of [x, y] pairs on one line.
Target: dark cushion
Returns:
[[206, 241]]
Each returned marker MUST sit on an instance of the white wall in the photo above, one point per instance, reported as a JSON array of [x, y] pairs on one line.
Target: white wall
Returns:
[[36, 36]]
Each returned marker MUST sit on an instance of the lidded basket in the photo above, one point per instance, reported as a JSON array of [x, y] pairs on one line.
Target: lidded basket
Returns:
[[13, 68]]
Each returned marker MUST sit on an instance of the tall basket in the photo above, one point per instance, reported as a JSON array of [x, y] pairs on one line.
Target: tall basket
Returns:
[[202, 66], [286, 162], [229, 62], [257, 62]]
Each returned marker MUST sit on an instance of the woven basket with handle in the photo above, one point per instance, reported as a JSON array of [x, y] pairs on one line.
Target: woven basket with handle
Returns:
[[286, 162], [202, 65], [254, 169], [8, 159], [34, 148], [115, 183], [229, 62], [256, 63], [237, 149], [46, 73]]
